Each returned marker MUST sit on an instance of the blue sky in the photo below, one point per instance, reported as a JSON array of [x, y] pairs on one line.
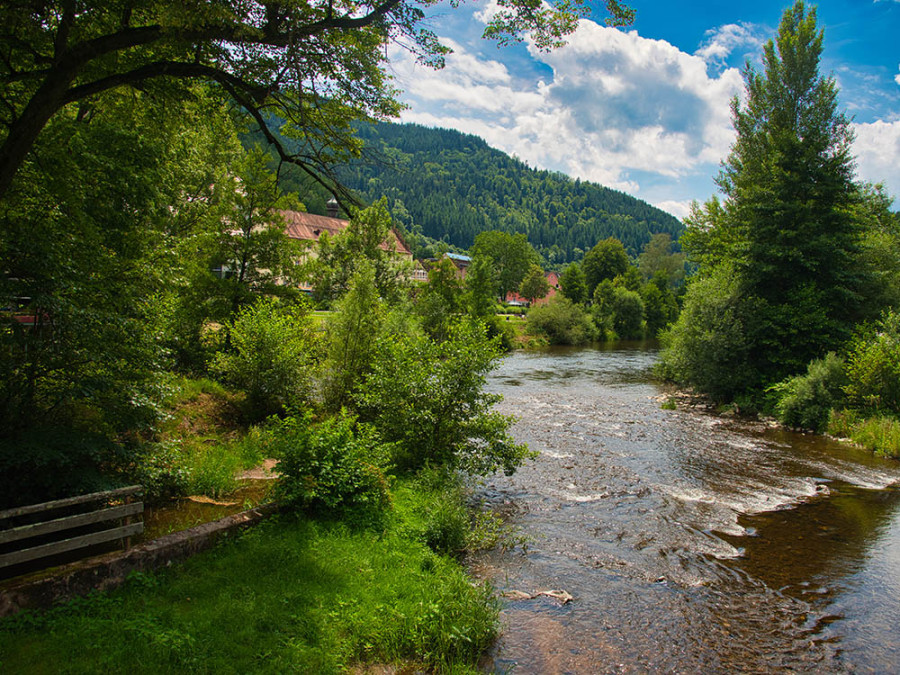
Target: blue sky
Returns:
[[646, 109]]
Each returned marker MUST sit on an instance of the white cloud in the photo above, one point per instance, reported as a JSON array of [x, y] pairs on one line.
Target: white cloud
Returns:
[[612, 105], [897, 77], [721, 42], [678, 209], [877, 148]]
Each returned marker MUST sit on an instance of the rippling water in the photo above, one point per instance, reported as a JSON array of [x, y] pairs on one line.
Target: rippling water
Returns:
[[689, 542]]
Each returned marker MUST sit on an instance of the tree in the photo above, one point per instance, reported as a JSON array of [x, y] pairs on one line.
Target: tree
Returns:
[[789, 185], [786, 228], [534, 285], [271, 356], [428, 399], [606, 260], [368, 239], [481, 288], [315, 65], [442, 299], [512, 256], [352, 330], [91, 242], [573, 284], [657, 257], [252, 250]]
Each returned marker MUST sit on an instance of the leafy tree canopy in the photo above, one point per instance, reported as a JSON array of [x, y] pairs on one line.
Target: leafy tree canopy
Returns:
[[511, 254], [318, 64], [788, 234], [606, 260]]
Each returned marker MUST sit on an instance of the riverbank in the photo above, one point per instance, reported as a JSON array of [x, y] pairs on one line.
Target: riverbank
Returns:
[[292, 595]]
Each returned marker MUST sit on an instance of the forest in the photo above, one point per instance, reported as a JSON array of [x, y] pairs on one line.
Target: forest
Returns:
[[450, 186]]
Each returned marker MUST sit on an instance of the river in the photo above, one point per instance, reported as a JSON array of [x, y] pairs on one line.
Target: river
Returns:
[[689, 542]]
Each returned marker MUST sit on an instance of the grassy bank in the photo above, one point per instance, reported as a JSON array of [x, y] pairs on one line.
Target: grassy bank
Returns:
[[292, 595]]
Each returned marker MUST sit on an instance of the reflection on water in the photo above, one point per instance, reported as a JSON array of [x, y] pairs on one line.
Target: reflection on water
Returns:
[[689, 541]]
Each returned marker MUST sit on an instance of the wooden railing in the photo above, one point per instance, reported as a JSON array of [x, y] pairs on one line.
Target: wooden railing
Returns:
[[31, 534]]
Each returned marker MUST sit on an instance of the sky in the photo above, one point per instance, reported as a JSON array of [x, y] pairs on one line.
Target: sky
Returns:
[[646, 109]]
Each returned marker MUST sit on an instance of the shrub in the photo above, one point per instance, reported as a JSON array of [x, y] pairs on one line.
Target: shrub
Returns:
[[707, 347], [562, 321], [427, 398], [336, 467], [805, 401], [873, 366], [270, 356], [628, 313]]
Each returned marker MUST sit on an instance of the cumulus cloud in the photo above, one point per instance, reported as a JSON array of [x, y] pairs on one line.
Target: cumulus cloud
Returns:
[[679, 209], [897, 77], [877, 148], [611, 104], [721, 42]]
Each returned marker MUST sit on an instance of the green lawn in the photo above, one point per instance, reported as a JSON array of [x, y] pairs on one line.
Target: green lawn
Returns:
[[291, 595]]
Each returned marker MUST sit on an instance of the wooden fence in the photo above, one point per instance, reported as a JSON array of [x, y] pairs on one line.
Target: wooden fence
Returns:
[[31, 534]]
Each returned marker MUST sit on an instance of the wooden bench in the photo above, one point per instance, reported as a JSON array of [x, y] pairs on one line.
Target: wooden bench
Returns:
[[32, 534]]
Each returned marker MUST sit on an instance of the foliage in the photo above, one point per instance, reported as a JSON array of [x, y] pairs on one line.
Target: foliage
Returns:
[[806, 401], [336, 467], [481, 288], [786, 230], [657, 258], [88, 246], [606, 260], [427, 397], [534, 285], [561, 321], [319, 65], [708, 346], [368, 239], [660, 306], [880, 434], [511, 254], [453, 186], [572, 283], [441, 300], [252, 252], [271, 353], [873, 366], [627, 309], [351, 345]]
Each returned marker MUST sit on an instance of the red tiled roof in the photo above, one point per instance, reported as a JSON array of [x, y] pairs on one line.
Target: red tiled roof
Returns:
[[309, 227]]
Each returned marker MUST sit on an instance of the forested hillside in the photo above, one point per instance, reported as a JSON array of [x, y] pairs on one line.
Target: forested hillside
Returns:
[[450, 186], [454, 186]]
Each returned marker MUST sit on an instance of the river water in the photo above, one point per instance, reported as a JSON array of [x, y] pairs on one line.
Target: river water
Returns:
[[689, 542]]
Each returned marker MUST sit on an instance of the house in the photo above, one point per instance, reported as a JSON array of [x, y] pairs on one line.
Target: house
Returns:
[[302, 226], [308, 227]]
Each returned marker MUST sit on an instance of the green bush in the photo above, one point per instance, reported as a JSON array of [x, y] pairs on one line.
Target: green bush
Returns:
[[335, 467], [270, 356], [707, 347], [873, 367], [806, 401], [628, 313], [561, 321], [427, 398]]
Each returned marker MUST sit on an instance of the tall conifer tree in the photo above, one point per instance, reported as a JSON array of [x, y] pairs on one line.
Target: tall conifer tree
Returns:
[[789, 188]]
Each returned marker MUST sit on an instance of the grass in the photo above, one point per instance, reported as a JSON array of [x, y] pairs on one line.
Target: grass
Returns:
[[879, 434], [292, 595], [201, 445]]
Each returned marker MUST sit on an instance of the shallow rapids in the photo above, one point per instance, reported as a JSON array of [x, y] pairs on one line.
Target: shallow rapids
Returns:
[[690, 543]]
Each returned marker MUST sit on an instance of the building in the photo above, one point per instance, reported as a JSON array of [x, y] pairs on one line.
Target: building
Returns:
[[308, 227]]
